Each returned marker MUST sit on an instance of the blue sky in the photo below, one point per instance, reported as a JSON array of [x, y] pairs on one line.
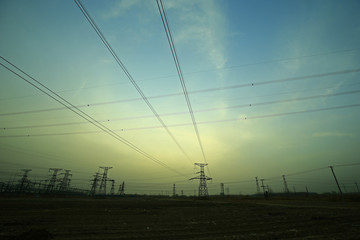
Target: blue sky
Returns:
[[248, 65]]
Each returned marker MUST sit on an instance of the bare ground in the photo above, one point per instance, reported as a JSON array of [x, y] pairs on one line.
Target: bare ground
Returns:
[[178, 218]]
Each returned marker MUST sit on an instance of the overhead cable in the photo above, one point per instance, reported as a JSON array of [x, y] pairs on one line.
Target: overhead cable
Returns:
[[178, 69], [38, 85], [182, 113], [205, 70], [231, 87], [189, 124], [122, 66]]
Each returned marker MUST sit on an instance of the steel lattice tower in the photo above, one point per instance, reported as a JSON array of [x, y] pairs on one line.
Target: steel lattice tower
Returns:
[[94, 184], [257, 185], [286, 189], [121, 189], [102, 189], [112, 186], [52, 181], [24, 182], [65, 182], [203, 190]]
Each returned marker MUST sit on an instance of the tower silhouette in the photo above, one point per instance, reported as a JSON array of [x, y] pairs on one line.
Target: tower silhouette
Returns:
[[65, 181], [51, 186], [102, 189], [203, 190], [24, 182]]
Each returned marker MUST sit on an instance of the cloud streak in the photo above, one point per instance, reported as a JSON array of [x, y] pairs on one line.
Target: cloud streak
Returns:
[[202, 26]]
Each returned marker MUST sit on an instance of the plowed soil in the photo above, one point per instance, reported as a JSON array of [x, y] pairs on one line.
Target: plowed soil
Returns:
[[177, 218]]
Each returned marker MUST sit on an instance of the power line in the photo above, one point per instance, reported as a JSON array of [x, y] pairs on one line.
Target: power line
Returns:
[[346, 165], [122, 66], [82, 114], [277, 60], [188, 124], [231, 87], [205, 70], [200, 110], [178, 68]]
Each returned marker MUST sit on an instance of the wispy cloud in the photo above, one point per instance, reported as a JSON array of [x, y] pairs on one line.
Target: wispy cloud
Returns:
[[202, 25], [120, 7]]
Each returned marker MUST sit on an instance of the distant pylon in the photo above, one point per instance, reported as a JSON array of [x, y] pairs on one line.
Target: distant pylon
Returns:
[[112, 186], [65, 182], [24, 182], [357, 187], [262, 185], [94, 184], [102, 189], [121, 189], [174, 190], [266, 188], [286, 189], [257, 185], [221, 189], [203, 190], [51, 185]]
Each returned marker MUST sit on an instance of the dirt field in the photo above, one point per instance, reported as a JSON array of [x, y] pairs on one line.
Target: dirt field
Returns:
[[166, 218]]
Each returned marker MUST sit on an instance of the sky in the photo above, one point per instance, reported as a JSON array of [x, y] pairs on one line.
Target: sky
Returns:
[[273, 86]]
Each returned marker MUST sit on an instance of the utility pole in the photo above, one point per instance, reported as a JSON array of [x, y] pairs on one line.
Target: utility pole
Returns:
[[337, 183], [203, 190], [94, 184], [286, 189], [52, 181], [24, 182], [65, 182], [174, 190], [257, 185], [102, 189], [221, 189]]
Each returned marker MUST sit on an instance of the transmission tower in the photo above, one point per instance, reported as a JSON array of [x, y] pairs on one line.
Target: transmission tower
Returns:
[[357, 187], [52, 182], [337, 183], [286, 189], [266, 188], [102, 189], [121, 189], [112, 186], [257, 185], [24, 182], [94, 184], [203, 190], [174, 190], [65, 182], [221, 189]]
